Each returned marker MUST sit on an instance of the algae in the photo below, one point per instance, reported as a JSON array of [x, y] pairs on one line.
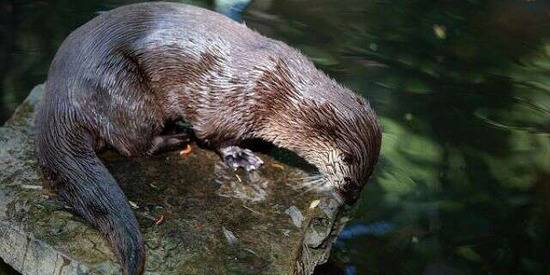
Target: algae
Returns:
[[197, 216]]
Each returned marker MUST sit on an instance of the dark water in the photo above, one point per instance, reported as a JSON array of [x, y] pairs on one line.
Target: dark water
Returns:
[[6, 269], [462, 89]]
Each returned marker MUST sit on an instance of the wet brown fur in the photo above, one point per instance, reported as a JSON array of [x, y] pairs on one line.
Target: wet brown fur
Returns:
[[121, 77]]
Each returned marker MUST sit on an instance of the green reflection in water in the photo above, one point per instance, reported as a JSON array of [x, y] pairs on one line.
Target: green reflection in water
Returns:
[[463, 92]]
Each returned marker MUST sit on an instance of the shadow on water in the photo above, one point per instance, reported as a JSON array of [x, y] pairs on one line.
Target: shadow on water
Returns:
[[462, 89], [6, 269]]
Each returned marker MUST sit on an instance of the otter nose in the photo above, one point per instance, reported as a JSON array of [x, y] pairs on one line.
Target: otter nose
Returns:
[[348, 180], [350, 191]]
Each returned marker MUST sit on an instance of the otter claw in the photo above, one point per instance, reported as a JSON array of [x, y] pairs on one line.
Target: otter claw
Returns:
[[236, 157]]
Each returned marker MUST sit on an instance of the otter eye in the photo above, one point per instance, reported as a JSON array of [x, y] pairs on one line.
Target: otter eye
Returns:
[[347, 158]]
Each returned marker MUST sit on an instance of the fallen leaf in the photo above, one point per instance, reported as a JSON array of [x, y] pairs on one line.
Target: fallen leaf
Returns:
[[159, 220], [185, 152]]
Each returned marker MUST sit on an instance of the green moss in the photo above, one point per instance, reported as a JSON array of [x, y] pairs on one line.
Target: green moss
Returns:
[[182, 205]]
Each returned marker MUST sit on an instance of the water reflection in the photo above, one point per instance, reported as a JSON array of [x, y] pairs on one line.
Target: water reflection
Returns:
[[463, 93]]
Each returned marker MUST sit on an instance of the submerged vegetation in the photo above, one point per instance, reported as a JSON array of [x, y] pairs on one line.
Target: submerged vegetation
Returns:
[[462, 89]]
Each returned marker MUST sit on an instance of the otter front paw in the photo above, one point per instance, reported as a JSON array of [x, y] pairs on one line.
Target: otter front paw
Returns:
[[164, 143], [236, 157]]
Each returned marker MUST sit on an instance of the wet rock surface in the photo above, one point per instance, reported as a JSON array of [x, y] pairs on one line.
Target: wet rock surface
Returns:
[[196, 215]]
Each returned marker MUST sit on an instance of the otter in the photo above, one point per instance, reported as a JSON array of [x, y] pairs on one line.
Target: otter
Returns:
[[121, 78]]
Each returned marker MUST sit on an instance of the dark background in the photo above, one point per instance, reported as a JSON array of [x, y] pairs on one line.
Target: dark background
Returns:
[[462, 89]]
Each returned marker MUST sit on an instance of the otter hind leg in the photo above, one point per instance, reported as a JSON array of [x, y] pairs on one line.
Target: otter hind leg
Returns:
[[165, 143], [235, 157], [80, 179]]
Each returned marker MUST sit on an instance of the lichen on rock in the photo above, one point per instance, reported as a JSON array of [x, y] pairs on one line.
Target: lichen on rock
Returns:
[[196, 217]]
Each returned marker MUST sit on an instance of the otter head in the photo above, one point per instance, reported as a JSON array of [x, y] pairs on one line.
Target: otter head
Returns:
[[301, 109], [343, 143], [340, 136]]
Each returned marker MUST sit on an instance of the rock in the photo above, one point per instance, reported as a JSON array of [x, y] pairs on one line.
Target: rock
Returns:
[[197, 217]]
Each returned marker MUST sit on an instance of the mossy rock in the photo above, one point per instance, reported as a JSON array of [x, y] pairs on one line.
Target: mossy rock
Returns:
[[197, 216]]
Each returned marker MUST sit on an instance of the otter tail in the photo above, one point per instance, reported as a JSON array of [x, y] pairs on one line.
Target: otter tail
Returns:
[[80, 179]]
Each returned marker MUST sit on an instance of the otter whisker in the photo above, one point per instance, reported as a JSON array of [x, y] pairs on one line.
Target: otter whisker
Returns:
[[312, 177], [320, 188], [314, 181], [317, 183]]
